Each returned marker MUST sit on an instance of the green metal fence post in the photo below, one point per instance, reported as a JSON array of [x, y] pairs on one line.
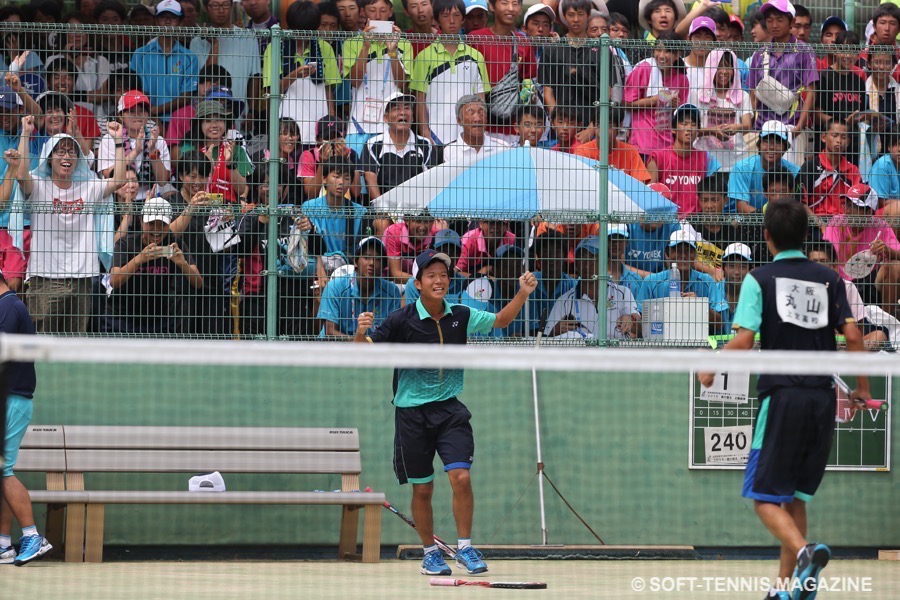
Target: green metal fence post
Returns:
[[273, 166], [603, 207]]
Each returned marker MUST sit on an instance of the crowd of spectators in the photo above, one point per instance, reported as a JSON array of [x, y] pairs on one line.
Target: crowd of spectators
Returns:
[[136, 164]]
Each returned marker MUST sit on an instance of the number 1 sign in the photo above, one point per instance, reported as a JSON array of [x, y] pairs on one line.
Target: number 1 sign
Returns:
[[728, 387]]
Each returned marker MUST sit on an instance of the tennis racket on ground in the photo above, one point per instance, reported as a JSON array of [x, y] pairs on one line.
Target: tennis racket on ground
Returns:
[[509, 585], [846, 409], [438, 541]]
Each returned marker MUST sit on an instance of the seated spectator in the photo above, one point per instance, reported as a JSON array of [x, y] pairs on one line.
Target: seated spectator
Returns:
[[885, 25], [74, 200], [530, 126], [476, 17], [211, 77], [620, 29], [745, 184], [336, 221], [509, 65], [60, 73], [330, 142], [653, 90], [47, 12], [824, 253], [473, 143], [404, 241], [445, 241], [648, 238], [149, 277], [506, 266], [882, 98], [622, 156], [681, 166], [398, 155], [794, 67], [480, 244], [758, 32], [598, 24], [682, 251], [118, 83], [825, 179], [885, 177], [92, 67], [288, 150], [14, 47], [168, 70], [444, 72], [377, 67], [309, 72], [124, 212], [858, 229], [208, 135], [116, 49], [59, 117], [737, 262], [715, 229], [725, 110], [842, 94], [619, 272], [421, 20], [365, 290], [145, 151], [831, 27], [574, 314], [236, 50], [141, 16], [564, 125], [551, 259], [701, 35]]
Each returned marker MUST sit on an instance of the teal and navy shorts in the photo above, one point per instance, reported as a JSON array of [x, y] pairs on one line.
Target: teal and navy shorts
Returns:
[[18, 416]]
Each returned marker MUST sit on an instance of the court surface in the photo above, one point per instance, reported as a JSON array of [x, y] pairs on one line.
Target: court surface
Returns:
[[400, 579]]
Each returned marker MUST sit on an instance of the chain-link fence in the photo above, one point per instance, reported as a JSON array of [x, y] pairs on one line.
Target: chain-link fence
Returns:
[[268, 183]]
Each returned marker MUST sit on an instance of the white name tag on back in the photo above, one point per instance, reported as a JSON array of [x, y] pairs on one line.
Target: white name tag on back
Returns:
[[802, 303]]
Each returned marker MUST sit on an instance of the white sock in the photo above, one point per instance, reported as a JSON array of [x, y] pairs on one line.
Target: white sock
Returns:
[[26, 531], [463, 543], [5, 541], [430, 548]]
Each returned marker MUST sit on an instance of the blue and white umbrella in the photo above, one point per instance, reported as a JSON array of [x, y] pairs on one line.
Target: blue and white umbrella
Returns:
[[522, 183]]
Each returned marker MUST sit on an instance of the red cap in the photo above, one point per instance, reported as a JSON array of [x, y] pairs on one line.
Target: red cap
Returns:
[[736, 20], [662, 189], [130, 99]]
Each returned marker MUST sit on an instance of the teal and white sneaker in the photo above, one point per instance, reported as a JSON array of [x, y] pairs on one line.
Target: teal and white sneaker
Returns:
[[810, 562], [433, 564], [470, 560], [7, 555], [778, 595], [32, 548]]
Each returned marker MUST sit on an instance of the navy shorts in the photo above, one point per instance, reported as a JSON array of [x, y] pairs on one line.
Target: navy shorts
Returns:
[[436, 427], [791, 444]]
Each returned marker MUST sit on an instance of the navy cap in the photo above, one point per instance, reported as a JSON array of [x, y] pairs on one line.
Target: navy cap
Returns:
[[509, 251], [833, 20], [428, 257], [368, 242], [8, 98], [589, 244], [684, 110]]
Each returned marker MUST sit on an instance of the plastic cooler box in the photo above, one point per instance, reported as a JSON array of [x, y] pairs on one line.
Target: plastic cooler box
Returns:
[[682, 319]]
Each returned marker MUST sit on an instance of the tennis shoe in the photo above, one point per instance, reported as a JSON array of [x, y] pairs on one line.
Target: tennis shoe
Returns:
[[778, 595], [470, 559], [7, 555], [433, 564], [810, 562], [32, 548]]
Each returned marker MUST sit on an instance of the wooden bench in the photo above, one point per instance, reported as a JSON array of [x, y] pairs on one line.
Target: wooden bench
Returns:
[[67, 452]]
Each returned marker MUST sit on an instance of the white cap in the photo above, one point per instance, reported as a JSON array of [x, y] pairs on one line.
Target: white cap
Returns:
[[207, 482], [616, 229], [539, 8], [776, 128], [157, 209], [169, 6], [742, 250], [683, 237]]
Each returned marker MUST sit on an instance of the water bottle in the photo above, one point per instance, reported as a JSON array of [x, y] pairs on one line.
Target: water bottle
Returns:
[[674, 282]]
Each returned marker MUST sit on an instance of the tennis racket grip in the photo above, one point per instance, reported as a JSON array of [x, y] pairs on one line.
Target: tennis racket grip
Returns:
[[876, 404], [443, 581]]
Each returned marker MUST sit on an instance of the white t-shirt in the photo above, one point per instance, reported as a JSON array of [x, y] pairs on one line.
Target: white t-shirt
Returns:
[[63, 235], [576, 305], [367, 108], [459, 152], [106, 158], [238, 54]]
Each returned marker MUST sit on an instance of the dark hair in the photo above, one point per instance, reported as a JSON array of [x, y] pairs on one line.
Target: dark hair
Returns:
[[531, 110], [194, 136], [124, 80], [756, 18], [583, 5], [886, 10], [787, 224], [192, 161], [8, 11], [260, 176], [718, 15], [339, 164], [439, 7], [654, 4], [717, 183], [616, 116], [49, 7], [827, 126], [619, 19], [891, 137], [303, 16], [671, 41], [550, 240], [847, 38], [728, 57], [288, 122], [825, 247], [113, 5], [801, 11], [564, 112], [771, 178], [329, 7], [216, 74]]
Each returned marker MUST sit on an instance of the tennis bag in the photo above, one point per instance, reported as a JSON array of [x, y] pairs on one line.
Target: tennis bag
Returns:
[[773, 93]]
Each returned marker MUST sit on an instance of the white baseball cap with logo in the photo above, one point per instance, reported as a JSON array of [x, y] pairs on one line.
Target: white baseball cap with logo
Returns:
[[741, 250], [157, 209], [776, 128]]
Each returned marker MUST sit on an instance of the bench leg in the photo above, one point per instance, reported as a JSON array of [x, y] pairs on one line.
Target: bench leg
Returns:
[[54, 526], [93, 538], [75, 533], [371, 550], [349, 529]]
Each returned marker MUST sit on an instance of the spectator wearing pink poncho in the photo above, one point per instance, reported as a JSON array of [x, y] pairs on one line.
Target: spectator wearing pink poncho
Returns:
[[725, 111]]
